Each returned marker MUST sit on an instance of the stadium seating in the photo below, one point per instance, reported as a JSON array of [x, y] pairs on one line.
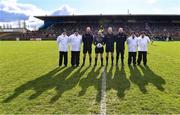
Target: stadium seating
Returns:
[[157, 31]]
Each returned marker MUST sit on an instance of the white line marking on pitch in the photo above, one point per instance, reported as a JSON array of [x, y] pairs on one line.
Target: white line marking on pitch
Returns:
[[103, 94]]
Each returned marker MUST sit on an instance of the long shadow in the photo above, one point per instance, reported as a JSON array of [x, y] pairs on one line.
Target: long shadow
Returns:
[[119, 82], [50, 84], [153, 78], [137, 78], [67, 84], [92, 79], [148, 76], [41, 84], [109, 78]]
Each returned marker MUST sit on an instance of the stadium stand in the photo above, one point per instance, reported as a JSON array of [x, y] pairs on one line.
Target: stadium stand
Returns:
[[13, 34], [158, 27]]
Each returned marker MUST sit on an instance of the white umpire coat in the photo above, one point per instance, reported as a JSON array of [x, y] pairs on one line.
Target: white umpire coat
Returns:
[[63, 41], [143, 43], [75, 42], [132, 44]]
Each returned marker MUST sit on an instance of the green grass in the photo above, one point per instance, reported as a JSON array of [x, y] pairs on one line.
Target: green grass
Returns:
[[31, 82]]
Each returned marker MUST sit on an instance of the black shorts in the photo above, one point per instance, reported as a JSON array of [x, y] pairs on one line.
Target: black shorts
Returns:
[[85, 50], [109, 49], [99, 50]]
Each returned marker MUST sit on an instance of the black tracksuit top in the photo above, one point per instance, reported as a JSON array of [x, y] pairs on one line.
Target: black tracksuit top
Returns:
[[120, 41], [87, 40], [109, 41]]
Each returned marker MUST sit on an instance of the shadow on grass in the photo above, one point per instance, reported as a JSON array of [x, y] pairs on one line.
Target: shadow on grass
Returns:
[[118, 81], [153, 78], [67, 84], [92, 79], [148, 76], [43, 83], [137, 78], [60, 79], [64, 79]]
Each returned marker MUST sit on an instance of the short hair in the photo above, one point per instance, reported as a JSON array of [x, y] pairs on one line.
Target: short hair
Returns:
[[88, 27], [109, 27], [120, 28]]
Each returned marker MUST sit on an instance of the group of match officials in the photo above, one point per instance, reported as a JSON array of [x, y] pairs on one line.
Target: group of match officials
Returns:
[[102, 41]]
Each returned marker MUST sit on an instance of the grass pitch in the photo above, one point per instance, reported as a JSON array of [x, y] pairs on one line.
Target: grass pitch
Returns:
[[32, 83]]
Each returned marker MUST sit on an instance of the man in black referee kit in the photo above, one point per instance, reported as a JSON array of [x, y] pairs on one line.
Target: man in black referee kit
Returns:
[[87, 40], [120, 41], [109, 41]]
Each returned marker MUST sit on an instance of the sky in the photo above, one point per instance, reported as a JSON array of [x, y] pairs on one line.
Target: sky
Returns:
[[11, 11]]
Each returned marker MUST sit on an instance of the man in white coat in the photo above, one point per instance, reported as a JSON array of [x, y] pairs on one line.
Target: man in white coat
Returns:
[[75, 41], [62, 41], [143, 42], [132, 43]]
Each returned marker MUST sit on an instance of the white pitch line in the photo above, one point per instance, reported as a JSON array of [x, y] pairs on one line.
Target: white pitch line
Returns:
[[103, 94]]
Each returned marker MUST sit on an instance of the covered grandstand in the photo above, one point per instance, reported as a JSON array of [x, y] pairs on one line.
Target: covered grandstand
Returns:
[[48, 20], [154, 25]]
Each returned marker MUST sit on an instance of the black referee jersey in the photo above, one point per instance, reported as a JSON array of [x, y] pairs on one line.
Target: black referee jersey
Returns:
[[109, 41]]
